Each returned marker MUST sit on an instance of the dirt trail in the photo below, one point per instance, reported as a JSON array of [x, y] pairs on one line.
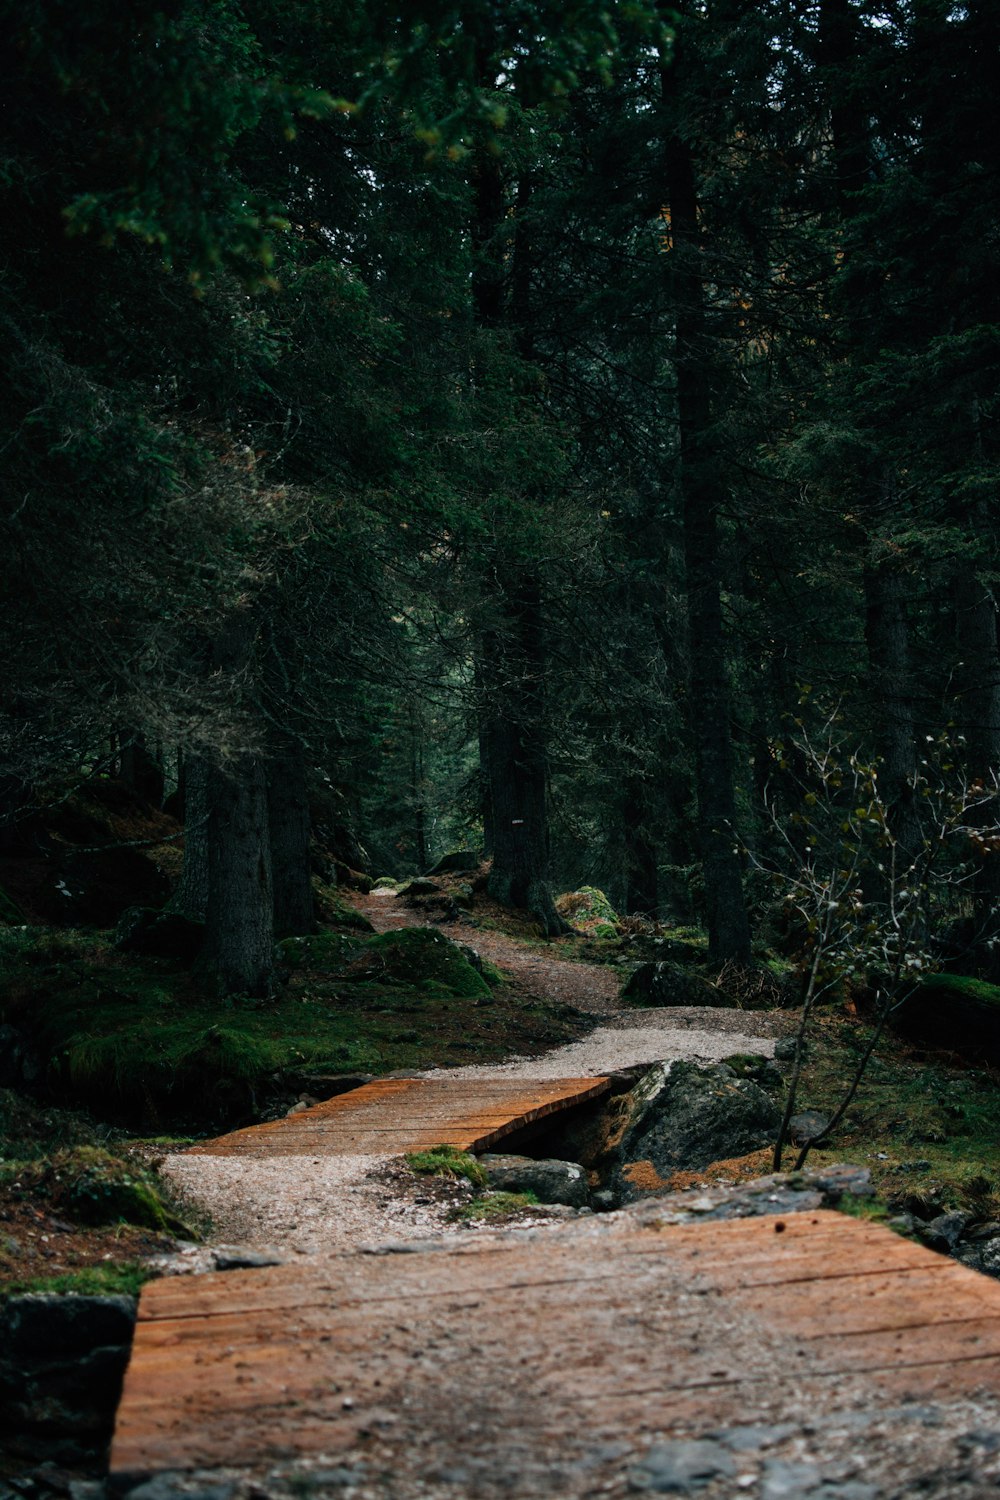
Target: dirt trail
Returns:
[[301, 1206]]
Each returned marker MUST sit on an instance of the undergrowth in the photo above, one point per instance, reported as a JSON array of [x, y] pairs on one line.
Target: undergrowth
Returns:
[[447, 1161], [495, 1206], [125, 1278], [134, 1037]]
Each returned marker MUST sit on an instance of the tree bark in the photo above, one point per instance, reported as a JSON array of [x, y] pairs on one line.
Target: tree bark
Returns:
[[888, 638], [289, 831], [239, 932], [238, 957], [702, 491], [641, 875], [514, 739], [141, 770], [191, 896], [979, 717]]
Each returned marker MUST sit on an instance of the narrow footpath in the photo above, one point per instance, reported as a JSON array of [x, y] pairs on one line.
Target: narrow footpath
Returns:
[[387, 1355]]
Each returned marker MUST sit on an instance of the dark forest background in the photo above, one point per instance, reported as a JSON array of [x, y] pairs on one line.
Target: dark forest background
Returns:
[[567, 433]]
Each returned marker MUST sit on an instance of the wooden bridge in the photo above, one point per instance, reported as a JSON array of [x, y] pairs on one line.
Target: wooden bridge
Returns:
[[535, 1363]]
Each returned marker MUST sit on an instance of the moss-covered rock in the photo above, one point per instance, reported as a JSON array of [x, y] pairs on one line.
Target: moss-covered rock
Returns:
[[325, 952], [670, 984], [456, 862], [589, 910], [956, 1012], [92, 1187], [159, 934], [332, 909], [421, 959], [419, 886]]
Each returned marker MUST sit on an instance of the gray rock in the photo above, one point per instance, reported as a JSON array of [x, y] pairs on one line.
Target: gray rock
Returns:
[[779, 1194], [44, 1325], [419, 886], [944, 1232], [244, 1258], [989, 1257], [784, 1049], [159, 934], [681, 1116], [459, 861], [183, 1487], [758, 1069], [808, 1125], [670, 984], [750, 1437], [681, 1467], [789, 1481], [551, 1181]]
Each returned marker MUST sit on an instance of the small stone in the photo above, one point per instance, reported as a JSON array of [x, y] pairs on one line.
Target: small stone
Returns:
[[681, 1467], [244, 1258], [555, 1182], [788, 1481], [808, 1125], [752, 1436], [784, 1049], [182, 1487], [944, 1232]]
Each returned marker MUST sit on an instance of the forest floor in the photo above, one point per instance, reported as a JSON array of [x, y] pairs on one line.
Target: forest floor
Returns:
[[304, 1206]]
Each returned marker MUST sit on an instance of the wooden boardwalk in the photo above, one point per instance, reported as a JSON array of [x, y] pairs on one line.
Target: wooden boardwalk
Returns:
[[395, 1115], [555, 1359]]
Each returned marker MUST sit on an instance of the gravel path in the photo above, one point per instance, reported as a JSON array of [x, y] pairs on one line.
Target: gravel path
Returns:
[[299, 1205]]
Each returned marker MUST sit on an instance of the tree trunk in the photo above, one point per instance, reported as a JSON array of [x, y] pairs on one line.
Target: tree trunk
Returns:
[[289, 830], [979, 716], [514, 738], [191, 895], [141, 770], [887, 635], [641, 876], [512, 727], [699, 473], [239, 932], [238, 957]]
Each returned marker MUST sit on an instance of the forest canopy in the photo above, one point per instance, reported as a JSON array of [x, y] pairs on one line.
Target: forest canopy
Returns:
[[567, 433]]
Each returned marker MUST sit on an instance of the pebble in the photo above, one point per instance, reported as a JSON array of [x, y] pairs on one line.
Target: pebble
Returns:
[[681, 1467]]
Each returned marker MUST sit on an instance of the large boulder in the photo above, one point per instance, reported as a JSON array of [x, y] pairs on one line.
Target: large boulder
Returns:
[[457, 862], [159, 934], [550, 1181], [682, 1117], [670, 984], [954, 1011]]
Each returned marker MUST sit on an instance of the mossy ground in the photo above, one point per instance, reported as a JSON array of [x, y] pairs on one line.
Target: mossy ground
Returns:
[[136, 1039], [927, 1127], [447, 1161], [493, 1206], [81, 1208]]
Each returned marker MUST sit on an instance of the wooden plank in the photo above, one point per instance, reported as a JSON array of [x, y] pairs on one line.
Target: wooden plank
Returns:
[[603, 1326], [392, 1116]]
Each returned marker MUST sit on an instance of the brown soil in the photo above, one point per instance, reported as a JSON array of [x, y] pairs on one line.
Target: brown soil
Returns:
[[35, 1244], [535, 974]]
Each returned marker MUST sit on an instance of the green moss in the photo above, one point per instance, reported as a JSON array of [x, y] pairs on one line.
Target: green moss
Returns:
[[10, 912], [421, 956], [447, 1161], [126, 1278], [92, 1187], [327, 952], [962, 987], [334, 910], [495, 1206], [590, 910], [492, 974], [137, 1040]]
